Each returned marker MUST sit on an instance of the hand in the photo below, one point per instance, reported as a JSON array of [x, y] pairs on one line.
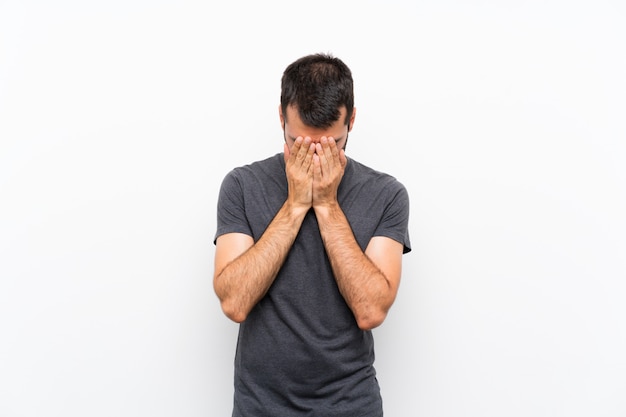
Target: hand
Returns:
[[329, 163], [299, 170]]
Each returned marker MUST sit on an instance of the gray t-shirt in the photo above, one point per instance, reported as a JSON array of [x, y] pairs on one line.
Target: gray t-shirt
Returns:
[[300, 351]]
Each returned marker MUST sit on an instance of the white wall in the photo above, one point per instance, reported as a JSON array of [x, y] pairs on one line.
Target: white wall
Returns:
[[505, 120]]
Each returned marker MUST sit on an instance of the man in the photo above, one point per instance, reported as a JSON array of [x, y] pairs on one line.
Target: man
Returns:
[[308, 257]]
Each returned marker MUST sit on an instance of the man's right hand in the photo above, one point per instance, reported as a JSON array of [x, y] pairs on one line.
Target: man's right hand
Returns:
[[299, 170]]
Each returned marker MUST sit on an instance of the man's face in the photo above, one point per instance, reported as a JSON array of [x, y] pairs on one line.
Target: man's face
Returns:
[[293, 127]]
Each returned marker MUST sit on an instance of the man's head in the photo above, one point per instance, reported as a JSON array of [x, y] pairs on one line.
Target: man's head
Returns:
[[317, 94]]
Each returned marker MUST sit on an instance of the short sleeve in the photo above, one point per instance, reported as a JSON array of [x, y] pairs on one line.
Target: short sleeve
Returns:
[[231, 214], [395, 220]]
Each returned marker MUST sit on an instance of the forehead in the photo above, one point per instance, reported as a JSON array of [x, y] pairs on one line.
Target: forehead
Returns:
[[297, 127]]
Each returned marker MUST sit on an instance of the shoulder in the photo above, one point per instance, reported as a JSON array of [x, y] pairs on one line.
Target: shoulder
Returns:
[[359, 174]]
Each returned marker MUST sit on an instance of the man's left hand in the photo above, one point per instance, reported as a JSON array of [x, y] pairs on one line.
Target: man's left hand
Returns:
[[329, 163]]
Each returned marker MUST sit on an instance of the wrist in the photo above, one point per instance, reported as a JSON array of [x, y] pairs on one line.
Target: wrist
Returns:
[[296, 210], [327, 209]]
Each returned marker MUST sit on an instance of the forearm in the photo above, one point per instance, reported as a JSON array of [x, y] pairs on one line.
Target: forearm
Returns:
[[245, 280], [363, 285]]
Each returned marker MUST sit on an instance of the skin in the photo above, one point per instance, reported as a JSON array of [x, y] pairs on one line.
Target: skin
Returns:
[[315, 162]]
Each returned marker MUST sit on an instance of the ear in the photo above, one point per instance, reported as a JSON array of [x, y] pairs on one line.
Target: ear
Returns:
[[351, 123], [282, 118]]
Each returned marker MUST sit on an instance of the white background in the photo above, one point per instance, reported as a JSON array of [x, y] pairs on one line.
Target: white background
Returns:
[[505, 120]]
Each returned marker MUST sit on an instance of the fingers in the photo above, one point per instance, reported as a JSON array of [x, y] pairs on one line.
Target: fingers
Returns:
[[310, 152], [301, 152], [328, 153], [316, 166], [299, 170], [342, 158], [323, 157], [295, 148]]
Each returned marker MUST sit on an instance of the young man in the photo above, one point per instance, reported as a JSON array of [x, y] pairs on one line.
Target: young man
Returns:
[[308, 257]]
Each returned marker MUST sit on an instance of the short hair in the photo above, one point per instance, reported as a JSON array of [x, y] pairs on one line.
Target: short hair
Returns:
[[318, 85]]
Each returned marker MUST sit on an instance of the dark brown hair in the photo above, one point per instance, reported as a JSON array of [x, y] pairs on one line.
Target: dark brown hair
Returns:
[[318, 86]]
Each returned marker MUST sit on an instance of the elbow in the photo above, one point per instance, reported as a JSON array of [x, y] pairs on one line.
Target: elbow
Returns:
[[230, 307], [235, 314], [371, 320]]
